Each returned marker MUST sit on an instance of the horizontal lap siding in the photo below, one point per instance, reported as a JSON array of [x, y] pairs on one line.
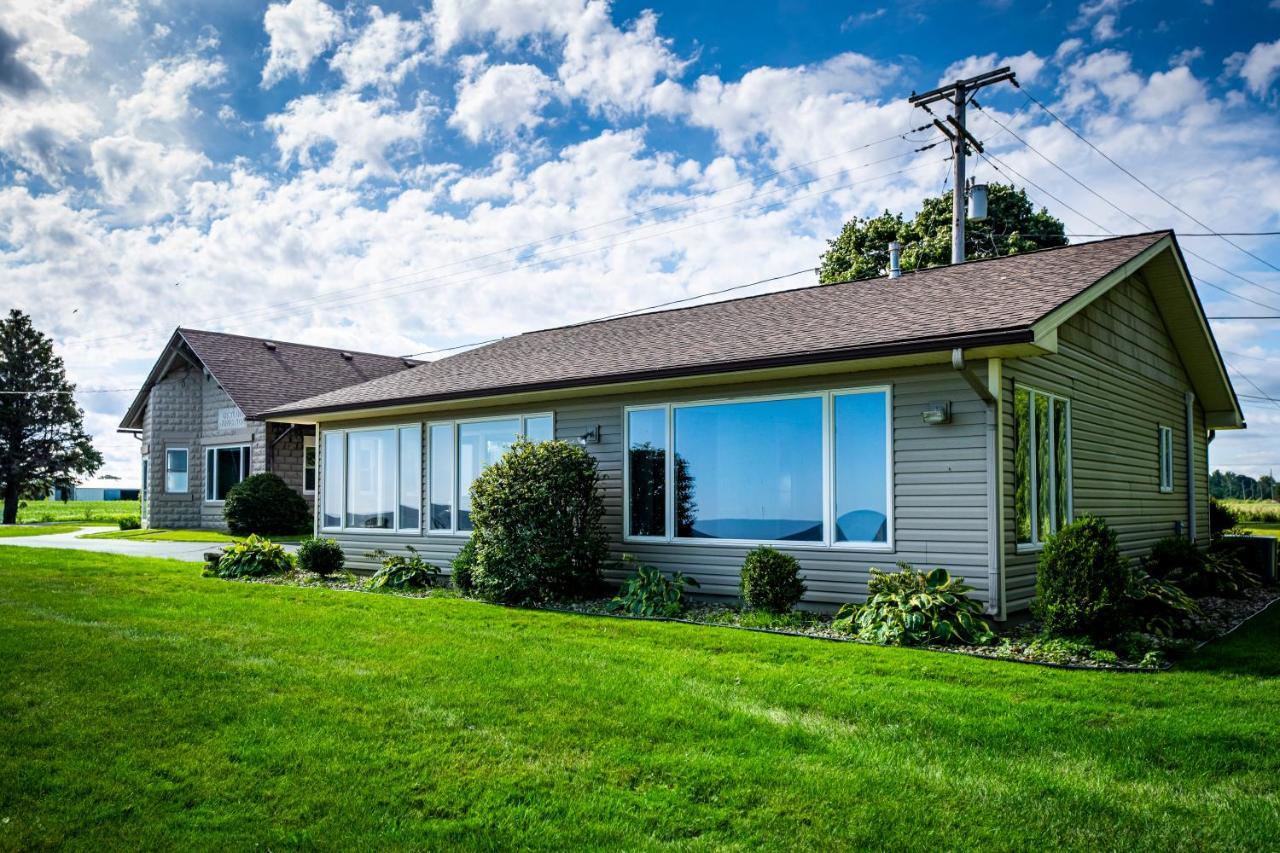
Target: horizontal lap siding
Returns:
[[1118, 367], [939, 483]]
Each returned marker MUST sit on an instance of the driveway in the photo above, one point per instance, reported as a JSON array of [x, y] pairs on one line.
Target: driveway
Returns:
[[192, 552]]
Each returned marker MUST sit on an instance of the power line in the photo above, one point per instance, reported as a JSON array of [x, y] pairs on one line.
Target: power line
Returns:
[[1246, 317], [1144, 184]]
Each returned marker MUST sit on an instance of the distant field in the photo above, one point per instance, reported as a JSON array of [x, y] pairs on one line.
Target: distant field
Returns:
[[107, 512], [1253, 510]]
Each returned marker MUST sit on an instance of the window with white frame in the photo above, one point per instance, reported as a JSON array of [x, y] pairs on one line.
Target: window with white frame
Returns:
[[372, 478], [460, 450], [809, 469], [224, 467], [308, 464], [1166, 458], [175, 470], [1042, 465]]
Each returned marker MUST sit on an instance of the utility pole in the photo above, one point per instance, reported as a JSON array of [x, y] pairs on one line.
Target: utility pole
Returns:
[[959, 93]]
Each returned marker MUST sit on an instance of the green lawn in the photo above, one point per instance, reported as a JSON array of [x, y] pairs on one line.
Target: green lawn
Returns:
[[144, 706], [1261, 528], [102, 512], [7, 530], [161, 535]]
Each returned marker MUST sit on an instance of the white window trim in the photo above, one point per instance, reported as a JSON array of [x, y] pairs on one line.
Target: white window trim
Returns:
[[309, 441], [185, 451], [455, 485], [210, 472], [1036, 544], [342, 482], [1165, 458], [829, 541]]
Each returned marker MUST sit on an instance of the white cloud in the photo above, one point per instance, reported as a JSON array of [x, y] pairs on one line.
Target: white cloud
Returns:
[[1260, 66], [361, 132], [143, 179], [501, 100], [509, 21], [1186, 57], [42, 135], [1068, 47], [863, 18], [497, 184], [1026, 65], [383, 53], [1104, 29], [300, 30], [614, 70], [166, 89]]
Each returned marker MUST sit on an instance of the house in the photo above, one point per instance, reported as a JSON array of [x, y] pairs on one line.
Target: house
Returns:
[[198, 418], [952, 417], [104, 488]]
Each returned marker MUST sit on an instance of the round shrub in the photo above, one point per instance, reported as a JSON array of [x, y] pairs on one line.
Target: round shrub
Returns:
[[265, 504], [324, 557], [1221, 517], [463, 567], [771, 580], [538, 534], [1082, 580], [129, 522], [1174, 556]]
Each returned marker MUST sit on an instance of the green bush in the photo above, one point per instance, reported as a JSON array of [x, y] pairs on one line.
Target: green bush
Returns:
[[463, 567], [649, 592], [265, 505], [1221, 517], [252, 558], [129, 522], [1199, 573], [538, 532], [912, 608], [771, 580], [324, 557], [400, 572], [1082, 581], [1158, 606]]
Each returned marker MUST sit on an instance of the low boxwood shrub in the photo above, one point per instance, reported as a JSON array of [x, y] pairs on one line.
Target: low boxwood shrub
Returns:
[[252, 558], [324, 557], [771, 580], [129, 522], [538, 531], [1082, 581], [403, 572], [462, 567], [265, 505], [913, 608], [648, 592], [1221, 518]]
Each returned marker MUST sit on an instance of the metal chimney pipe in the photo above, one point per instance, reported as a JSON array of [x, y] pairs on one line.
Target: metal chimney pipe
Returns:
[[895, 260]]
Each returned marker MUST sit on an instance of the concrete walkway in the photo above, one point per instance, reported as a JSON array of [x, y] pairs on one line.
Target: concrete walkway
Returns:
[[192, 552]]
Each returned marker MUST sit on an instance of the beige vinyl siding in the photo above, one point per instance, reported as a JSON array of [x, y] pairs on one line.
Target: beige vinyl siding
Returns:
[[939, 484], [1118, 367]]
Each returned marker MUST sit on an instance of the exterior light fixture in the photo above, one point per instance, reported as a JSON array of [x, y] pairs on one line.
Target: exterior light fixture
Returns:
[[937, 413]]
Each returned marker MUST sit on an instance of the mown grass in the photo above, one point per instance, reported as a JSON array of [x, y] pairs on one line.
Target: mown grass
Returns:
[[1261, 528], [163, 535], [10, 530], [105, 512], [144, 706]]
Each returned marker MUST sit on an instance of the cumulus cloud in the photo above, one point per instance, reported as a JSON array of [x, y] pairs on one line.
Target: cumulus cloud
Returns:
[[1259, 66], [614, 70], [385, 50], [1026, 65], [165, 94], [501, 100], [508, 21], [300, 30], [361, 133], [15, 77], [144, 179]]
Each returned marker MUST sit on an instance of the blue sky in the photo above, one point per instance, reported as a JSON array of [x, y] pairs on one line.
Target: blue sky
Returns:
[[402, 177]]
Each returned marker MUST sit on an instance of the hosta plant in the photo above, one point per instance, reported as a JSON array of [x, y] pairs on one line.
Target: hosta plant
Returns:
[[251, 558], [1158, 606], [649, 592], [400, 572], [912, 608]]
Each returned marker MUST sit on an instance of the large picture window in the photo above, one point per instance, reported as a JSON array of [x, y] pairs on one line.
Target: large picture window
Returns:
[[811, 469], [372, 478], [224, 467], [460, 450], [1042, 465], [175, 470]]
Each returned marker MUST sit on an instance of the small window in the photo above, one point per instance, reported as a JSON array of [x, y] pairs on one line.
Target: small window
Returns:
[[309, 464], [175, 470], [224, 468], [1042, 465], [1166, 458], [146, 471], [331, 516]]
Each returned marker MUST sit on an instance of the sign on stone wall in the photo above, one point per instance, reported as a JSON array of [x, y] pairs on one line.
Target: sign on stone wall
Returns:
[[230, 418]]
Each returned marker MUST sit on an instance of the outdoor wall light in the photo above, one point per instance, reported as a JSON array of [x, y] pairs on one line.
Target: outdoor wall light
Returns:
[[937, 413], [591, 436]]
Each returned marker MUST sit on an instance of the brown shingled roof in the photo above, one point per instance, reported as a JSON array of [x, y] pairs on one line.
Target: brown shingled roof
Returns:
[[971, 304]]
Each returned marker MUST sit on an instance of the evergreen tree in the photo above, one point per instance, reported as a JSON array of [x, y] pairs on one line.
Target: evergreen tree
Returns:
[[42, 439]]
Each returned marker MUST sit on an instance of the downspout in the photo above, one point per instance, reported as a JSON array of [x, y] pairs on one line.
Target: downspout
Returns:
[[1191, 465], [993, 507]]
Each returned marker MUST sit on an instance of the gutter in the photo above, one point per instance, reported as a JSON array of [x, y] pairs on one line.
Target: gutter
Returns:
[[994, 586]]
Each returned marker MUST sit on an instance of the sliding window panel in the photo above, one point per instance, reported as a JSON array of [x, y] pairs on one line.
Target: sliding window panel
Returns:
[[410, 478], [480, 444], [440, 478], [647, 472], [331, 500], [371, 479], [861, 480]]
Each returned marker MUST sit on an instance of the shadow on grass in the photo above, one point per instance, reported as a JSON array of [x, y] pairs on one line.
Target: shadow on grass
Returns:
[[1252, 649]]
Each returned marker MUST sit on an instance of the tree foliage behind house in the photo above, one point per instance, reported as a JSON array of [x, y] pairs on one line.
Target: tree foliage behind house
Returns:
[[43, 443], [1012, 225]]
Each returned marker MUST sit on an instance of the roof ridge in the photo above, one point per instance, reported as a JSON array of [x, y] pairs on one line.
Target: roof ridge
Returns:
[[279, 341], [905, 274]]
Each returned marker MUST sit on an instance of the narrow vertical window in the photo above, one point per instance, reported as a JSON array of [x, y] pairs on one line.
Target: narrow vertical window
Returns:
[[410, 477], [371, 479], [175, 470], [1166, 458], [480, 444], [146, 476], [1061, 463], [647, 472], [861, 481], [1022, 462], [1042, 465], [440, 478], [309, 465], [333, 470]]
